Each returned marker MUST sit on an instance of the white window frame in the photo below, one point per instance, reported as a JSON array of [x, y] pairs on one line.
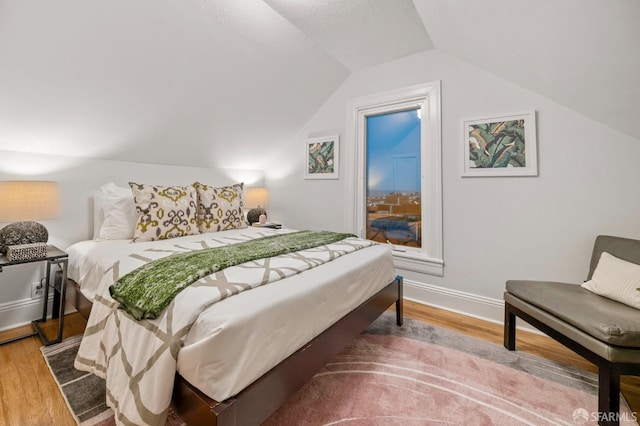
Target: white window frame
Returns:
[[429, 258]]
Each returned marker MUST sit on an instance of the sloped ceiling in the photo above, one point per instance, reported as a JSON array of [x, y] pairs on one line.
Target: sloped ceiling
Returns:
[[165, 81], [199, 82], [358, 33], [193, 82], [583, 54]]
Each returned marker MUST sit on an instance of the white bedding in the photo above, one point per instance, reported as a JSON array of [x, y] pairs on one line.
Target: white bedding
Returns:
[[238, 339]]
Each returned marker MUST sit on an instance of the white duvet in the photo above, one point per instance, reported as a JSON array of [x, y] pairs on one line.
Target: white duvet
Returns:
[[226, 346]]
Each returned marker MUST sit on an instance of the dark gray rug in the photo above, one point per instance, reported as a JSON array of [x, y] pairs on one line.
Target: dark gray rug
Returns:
[[85, 393]]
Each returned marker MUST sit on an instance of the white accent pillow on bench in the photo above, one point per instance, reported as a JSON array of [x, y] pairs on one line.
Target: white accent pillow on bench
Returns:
[[616, 279]]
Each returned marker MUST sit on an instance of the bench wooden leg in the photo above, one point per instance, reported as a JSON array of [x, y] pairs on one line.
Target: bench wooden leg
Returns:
[[608, 394], [509, 328], [399, 305]]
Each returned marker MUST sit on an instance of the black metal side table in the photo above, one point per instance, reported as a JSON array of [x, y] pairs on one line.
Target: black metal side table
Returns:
[[54, 256]]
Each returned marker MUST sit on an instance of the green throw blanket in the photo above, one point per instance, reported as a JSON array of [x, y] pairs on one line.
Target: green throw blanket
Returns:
[[148, 290]]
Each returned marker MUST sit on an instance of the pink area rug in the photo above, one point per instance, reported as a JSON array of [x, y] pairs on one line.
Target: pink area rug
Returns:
[[392, 380], [416, 374]]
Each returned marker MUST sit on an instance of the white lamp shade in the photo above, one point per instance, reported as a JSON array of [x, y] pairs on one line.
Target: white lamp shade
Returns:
[[254, 197], [28, 200]]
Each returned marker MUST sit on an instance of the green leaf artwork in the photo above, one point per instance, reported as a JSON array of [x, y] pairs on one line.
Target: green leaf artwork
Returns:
[[499, 144], [321, 157]]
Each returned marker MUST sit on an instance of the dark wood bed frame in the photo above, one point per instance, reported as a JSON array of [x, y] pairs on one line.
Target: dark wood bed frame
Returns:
[[260, 399]]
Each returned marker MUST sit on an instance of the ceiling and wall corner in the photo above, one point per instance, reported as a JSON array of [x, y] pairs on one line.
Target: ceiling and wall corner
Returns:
[[190, 83], [159, 80], [359, 33], [583, 54]]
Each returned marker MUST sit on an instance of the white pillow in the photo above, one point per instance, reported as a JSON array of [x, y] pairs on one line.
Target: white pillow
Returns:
[[616, 279], [99, 200], [119, 213]]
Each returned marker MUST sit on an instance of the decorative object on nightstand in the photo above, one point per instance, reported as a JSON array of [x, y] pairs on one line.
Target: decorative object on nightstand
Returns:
[[256, 199], [56, 281], [26, 201], [26, 251]]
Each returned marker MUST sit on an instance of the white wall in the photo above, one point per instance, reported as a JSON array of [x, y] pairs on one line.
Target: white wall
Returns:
[[77, 179], [494, 228], [498, 228]]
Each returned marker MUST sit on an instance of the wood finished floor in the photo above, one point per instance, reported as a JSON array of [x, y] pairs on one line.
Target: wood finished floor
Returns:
[[29, 395]]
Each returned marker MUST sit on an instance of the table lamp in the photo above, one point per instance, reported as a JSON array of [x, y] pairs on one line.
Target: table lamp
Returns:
[[26, 201], [256, 199]]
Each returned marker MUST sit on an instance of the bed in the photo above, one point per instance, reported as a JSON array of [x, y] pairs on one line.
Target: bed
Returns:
[[239, 359]]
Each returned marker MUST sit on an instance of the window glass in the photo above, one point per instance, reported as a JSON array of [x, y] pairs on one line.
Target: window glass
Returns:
[[393, 170]]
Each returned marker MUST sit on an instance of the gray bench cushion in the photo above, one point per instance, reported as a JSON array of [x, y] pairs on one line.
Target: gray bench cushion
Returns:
[[605, 319]]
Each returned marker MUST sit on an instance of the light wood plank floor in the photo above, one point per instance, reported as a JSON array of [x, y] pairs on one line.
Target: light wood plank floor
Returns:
[[29, 396]]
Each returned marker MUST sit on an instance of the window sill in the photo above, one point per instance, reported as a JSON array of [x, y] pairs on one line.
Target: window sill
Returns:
[[418, 262]]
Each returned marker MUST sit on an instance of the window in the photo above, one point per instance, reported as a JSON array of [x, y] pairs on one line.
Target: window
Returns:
[[393, 178], [396, 196]]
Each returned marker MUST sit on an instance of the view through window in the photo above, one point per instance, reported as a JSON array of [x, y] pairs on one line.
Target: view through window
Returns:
[[393, 172]]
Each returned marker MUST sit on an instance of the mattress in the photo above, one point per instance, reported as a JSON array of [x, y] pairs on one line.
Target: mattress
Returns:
[[238, 339]]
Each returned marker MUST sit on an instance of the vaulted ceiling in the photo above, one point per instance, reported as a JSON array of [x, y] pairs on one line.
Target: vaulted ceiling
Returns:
[[583, 54], [193, 81]]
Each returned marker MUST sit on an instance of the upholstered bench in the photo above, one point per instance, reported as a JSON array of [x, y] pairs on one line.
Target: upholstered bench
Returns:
[[602, 330]]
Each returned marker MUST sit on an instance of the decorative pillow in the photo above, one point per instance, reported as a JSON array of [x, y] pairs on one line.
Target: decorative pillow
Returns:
[[118, 213], [616, 279], [220, 208], [164, 211]]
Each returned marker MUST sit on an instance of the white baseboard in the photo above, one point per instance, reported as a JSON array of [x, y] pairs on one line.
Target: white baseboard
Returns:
[[471, 305], [21, 312]]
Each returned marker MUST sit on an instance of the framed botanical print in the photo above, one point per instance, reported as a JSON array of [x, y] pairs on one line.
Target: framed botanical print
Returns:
[[321, 158], [501, 146]]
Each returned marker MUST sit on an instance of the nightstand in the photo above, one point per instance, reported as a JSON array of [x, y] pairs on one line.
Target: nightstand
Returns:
[[54, 256]]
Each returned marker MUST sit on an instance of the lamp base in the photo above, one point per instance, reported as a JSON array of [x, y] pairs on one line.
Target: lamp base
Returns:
[[254, 215], [22, 233]]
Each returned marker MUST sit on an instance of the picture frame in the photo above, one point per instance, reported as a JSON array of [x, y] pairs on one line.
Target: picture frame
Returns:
[[322, 157], [503, 145]]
